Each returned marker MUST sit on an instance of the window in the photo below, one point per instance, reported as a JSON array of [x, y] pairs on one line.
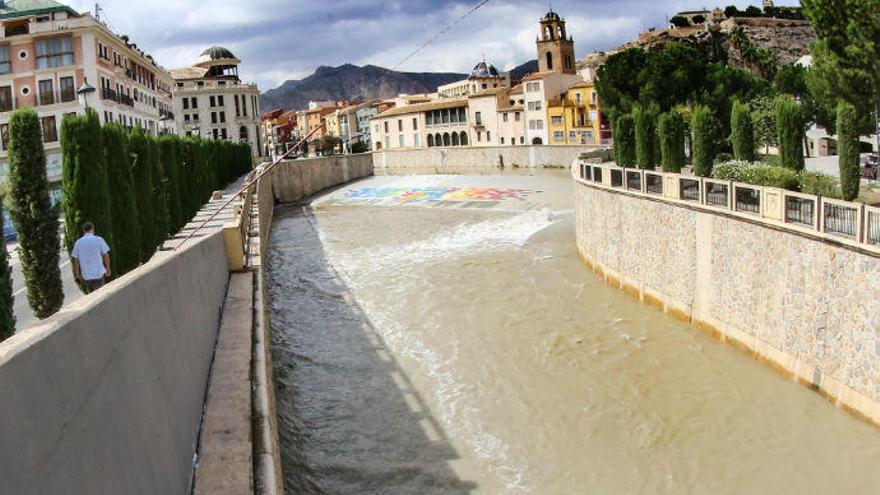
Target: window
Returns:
[[478, 119], [195, 102], [572, 135], [220, 101], [488, 136], [223, 133], [186, 103], [430, 140], [462, 115], [54, 52], [400, 125], [536, 124], [213, 101], [557, 119], [50, 133], [244, 105], [17, 28], [5, 61], [47, 92], [213, 117], [387, 141], [533, 87], [549, 61], [558, 136], [506, 117], [417, 140], [222, 117], [516, 116], [522, 140], [386, 130], [535, 106], [415, 124], [479, 136], [4, 135], [502, 139], [237, 107], [400, 140], [186, 118], [577, 98], [6, 99], [216, 133], [429, 118], [65, 87]]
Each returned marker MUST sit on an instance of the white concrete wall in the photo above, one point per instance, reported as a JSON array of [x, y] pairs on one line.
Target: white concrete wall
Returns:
[[294, 180], [106, 396], [479, 157]]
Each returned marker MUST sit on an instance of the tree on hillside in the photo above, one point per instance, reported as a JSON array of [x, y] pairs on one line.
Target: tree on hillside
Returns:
[[624, 135], [790, 133], [84, 183], [848, 148], [617, 81], [679, 21], [35, 219], [742, 137], [846, 55], [672, 75], [123, 203], [7, 317]]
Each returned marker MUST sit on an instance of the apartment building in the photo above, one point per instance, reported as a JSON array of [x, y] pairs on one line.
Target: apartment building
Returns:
[[439, 123], [575, 118], [212, 102], [48, 51]]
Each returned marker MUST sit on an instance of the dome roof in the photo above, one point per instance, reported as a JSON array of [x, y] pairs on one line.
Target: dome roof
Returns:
[[484, 69], [217, 53], [552, 16]]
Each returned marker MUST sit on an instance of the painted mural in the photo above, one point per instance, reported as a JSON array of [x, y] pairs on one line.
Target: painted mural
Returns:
[[399, 196]]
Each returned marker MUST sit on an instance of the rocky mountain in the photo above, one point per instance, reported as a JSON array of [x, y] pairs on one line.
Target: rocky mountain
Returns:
[[524, 69], [350, 82]]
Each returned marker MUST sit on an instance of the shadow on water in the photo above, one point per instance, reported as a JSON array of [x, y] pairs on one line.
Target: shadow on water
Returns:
[[349, 419]]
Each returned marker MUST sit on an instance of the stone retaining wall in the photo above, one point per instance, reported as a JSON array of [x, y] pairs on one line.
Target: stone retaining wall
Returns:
[[456, 159], [294, 180], [806, 305]]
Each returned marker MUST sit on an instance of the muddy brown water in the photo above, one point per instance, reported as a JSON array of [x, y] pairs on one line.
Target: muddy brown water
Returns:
[[456, 348]]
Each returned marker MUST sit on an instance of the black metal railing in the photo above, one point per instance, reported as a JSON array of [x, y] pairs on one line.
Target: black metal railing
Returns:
[[747, 200], [67, 94], [872, 228], [654, 183], [109, 94], [801, 211], [597, 174], [47, 98], [689, 189], [633, 180], [125, 100], [616, 178], [840, 220], [717, 194], [586, 172]]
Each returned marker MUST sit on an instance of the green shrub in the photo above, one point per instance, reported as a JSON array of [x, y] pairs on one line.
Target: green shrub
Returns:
[[758, 175], [36, 221], [820, 184], [790, 133], [671, 129], [742, 136], [707, 130], [646, 137], [723, 157], [624, 141], [848, 149]]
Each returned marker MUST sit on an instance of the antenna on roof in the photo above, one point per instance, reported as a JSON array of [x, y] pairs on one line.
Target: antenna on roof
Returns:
[[97, 11]]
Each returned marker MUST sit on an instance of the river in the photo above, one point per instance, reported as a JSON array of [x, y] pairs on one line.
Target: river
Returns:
[[438, 334]]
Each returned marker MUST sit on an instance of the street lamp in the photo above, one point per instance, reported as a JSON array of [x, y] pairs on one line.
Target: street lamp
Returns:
[[84, 91], [163, 119]]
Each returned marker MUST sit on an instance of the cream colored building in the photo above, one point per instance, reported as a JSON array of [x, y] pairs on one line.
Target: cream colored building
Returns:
[[497, 117], [48, 51], [440, 123], [483, 77], [211, 101]]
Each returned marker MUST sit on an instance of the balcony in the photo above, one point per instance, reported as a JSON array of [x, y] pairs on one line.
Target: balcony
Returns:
[[167, 114], [109, 94], [126, 100]]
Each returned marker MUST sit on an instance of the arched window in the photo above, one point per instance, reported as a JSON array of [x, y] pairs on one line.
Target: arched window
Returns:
[[438, 139], [378, 145], [537, 141], [549, 61], [430, 140], [243, 133], [463, 139], [455, 139], [446, 140]]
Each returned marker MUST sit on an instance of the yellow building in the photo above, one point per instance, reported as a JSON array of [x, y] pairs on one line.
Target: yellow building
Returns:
[[576, 117]]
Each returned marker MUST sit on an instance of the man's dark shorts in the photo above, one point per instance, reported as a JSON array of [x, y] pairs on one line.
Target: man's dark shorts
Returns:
[[93, 285]]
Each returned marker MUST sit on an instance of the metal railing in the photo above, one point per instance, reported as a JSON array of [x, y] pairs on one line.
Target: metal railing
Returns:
[[800, 211], [844, 222], [109, 94], [838, 219], [747, 199], [689, 189]]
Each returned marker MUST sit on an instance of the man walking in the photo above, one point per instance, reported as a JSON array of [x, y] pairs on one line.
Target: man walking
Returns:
[[91, 259]]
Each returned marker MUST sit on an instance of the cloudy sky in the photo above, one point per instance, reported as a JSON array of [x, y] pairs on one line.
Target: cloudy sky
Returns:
[[287, 39]]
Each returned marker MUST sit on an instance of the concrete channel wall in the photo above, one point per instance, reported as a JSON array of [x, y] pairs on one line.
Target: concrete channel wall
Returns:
[[106, 396], [295, 180], [479, 157], [798, 297]]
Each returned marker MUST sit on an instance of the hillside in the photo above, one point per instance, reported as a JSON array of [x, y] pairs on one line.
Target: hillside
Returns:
[[349, 82]]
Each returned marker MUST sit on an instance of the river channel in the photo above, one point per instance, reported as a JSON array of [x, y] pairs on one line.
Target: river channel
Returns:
[[438, 334]]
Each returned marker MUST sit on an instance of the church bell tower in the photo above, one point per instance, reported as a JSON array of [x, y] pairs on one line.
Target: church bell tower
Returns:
[[555, 47]]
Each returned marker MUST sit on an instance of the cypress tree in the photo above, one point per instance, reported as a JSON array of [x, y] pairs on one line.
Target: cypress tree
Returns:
[[848, 148], [126, 227], [185, 174], [168, 150], [624, 141], [7, 317], [35, 219], [742, 135], [646, 137], [671, 127], [706, 131], [142, 175], [790, 133], [85, 184], [160, 193]]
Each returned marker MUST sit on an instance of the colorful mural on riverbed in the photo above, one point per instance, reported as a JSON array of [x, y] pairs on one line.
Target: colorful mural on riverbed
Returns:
[[396, 195]]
